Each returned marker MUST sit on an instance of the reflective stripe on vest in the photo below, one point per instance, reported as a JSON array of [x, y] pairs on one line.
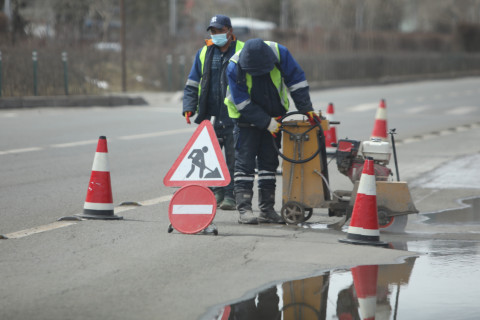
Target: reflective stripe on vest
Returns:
[[275, 75]]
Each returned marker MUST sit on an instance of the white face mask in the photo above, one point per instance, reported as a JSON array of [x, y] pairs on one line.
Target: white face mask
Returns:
[[220, 39]]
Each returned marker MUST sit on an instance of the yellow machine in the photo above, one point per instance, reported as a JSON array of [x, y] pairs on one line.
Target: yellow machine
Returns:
[[306, 183]]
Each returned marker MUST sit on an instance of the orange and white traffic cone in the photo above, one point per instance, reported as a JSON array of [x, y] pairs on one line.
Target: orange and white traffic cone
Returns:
[[365, 282], [363, 228], [99, 200], [331, 133], [380, 126]]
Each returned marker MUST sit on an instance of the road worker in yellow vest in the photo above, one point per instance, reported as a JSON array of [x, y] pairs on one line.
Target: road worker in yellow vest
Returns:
[[205, 90], [260, 76]]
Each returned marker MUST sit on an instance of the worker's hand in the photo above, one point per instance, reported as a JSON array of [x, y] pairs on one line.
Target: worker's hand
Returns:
[[274, 126], [187, 116], [313, 118]]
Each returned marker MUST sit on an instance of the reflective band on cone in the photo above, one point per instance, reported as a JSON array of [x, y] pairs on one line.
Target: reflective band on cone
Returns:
[[363, 228], [331, 133], [365, 282], [380, 126], [99, 200]]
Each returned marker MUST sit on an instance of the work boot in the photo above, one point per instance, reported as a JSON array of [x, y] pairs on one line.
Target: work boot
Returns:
[[266, 201], [244, 207], [228, 203], [219, 195]]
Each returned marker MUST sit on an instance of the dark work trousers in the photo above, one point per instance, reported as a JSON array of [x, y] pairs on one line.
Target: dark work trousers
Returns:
[[254, 146], [226, 142], [263, 307]]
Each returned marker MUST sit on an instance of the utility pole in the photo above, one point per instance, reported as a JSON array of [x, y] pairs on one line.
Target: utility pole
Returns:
[[359, 12], [7, 10], [173, 17], [123, 46], [284, 6]]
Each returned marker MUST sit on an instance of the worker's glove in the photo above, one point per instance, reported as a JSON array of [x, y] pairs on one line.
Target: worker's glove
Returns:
[[187, 116], [313, 118], [274, 126]]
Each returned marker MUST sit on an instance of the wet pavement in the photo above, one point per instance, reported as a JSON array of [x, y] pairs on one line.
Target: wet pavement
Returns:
[[442, 281]]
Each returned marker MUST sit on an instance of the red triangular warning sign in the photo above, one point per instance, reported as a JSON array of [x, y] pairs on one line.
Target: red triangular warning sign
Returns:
[[201, 162]]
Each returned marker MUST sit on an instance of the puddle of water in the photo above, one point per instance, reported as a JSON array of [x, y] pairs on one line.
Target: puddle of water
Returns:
[[441, 283], [470, 214]]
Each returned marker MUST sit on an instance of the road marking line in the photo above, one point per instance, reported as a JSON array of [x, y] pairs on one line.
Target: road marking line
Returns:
[[156, 134], [47, 227], [156, 200], [418, 109], [9, 115], [73, 144], [420, 99], [461, 110], [20, 150], [364, 107], [85, 142], [61, 224]]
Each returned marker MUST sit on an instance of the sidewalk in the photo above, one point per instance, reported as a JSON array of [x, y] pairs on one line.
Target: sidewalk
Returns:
[[110, 100]]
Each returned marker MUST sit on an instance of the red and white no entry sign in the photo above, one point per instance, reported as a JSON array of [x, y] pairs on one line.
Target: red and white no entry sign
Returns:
[[192, 208]]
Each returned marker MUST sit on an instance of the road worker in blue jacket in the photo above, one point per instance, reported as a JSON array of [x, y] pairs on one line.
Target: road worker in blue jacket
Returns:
[[205, 90], [260, 76]]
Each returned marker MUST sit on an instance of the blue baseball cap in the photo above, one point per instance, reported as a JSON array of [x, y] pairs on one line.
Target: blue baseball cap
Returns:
[[219, 21]]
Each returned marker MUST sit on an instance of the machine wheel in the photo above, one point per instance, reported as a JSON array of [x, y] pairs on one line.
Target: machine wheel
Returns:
[[309, 212], [294, 212], [389, 223]]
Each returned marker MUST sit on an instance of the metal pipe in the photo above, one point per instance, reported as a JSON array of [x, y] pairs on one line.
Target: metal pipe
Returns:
[[0, 73], [34, 59], [392, 132], [65, 72]]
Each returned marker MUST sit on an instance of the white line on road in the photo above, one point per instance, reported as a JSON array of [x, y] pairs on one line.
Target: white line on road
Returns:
[[61, 224], [461, 110], [20, 150], [9, 115], [364, 107], [86, 142], [417, 109], [47, 227], [157, 134], [73, 144]]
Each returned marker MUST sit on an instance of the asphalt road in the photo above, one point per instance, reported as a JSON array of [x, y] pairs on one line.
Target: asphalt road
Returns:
[[133, 268]]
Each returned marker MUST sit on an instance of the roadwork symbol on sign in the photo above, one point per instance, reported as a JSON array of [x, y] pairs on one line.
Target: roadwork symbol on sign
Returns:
[[201, 162], [192, 209]]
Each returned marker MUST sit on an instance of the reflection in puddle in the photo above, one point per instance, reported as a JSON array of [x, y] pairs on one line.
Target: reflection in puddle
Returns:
[[469, 214], [442, 283]]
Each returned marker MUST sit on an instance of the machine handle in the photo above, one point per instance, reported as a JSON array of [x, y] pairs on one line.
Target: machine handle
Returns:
[[281, 128]]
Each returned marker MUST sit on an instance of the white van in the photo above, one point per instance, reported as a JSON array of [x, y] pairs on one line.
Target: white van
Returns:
[[245, 28]]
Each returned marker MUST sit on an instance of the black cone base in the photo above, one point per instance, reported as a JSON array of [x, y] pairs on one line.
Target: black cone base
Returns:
[[99, 215]]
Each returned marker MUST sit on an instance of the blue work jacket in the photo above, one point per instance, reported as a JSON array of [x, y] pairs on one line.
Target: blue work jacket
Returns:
[[254, 106], [195, 97]]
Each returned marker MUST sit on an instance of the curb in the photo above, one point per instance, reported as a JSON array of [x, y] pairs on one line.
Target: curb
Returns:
[[71, 101]]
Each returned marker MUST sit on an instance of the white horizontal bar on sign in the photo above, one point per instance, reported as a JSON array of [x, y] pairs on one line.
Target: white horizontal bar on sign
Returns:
[[98, 206], [192, 209]]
